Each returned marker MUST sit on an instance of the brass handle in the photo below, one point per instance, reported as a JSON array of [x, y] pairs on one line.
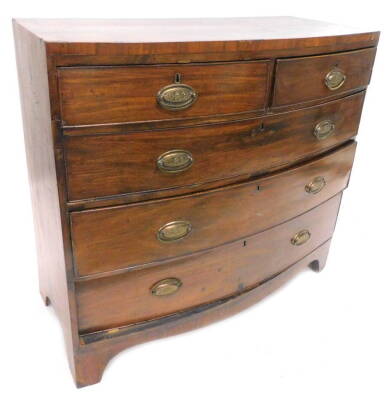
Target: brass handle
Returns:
[[173, 231], [301, 237], [316, 185], [335, 79], [166, 287], [175, 161], [176, 97], [324, 129]]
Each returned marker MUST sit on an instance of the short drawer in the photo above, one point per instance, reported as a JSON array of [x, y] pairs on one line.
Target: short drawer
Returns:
[[304, 79], [107, 165], [117, 237], [105, 95], [151, 293]]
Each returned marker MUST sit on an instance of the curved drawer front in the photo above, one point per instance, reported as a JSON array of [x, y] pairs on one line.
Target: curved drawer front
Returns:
[[117, 237], [105, 165], [300, 80], [199, 279], [103, 95]]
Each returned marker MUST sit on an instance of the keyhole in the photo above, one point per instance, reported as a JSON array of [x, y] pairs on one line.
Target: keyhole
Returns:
[[259, 129], [178, 78]]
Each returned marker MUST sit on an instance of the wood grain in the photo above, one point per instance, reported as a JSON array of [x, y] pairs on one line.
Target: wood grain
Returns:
[[125, 299], [46, 205], [106, 165], [111, 160], [299, 80], [91, 95], [99, 347], [118, 237], [186, 40]]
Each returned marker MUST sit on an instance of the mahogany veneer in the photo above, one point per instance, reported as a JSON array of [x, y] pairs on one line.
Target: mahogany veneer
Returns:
[[120, 300], [96, 95], [181, 170], [109, 165], [306, 72], [100, 237]]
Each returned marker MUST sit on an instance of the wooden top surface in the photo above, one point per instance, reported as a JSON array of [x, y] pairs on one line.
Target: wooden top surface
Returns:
[[180, 30], [213, 39]]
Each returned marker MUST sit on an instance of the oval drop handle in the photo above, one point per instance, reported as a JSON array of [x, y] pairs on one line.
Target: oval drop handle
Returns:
[[316, 185], [175, 161], [324, 129], [166, 287], [335, 79], [301, 237], [174, 231], [176, 96]]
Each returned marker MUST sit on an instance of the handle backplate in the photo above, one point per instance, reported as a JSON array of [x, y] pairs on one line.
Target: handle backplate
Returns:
[[177, 96], [166, 287], [324, 129], [335, 79], [316, 185], [301, 237], [175, 161], [174, 231]]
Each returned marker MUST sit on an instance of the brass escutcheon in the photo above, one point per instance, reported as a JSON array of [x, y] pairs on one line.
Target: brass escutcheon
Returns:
[[175, 161], [335, 79], [324, 129], [316, 185], [301, 237], [173, 231], [176, 97], [166, 287]]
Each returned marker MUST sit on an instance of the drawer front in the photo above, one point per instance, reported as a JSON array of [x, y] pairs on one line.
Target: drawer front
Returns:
[[103, 95], [118, 237], [300, 80], [106, 165], [199, 279]]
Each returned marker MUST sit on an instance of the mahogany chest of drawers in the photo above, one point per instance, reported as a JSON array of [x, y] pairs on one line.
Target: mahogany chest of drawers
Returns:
[[182, 169]]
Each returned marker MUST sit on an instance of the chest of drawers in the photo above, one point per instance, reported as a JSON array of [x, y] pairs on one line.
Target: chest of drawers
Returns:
[[181, 170]]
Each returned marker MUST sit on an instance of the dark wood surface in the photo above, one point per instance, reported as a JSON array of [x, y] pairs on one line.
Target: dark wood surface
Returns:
[[100, 347], [302, 79], [47, 205], [125, 299], [118, 237], [182, 29], [109, 161], [106, 165], [91, 95], [188, 40]]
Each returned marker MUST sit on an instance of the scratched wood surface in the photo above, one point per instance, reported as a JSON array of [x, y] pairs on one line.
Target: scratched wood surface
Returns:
[[93, 131], [101, 237], [107, 165]]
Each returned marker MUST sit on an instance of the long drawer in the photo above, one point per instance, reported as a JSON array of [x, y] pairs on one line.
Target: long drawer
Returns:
[[107, 165], [178, 285], [103, 95], [117, 237]]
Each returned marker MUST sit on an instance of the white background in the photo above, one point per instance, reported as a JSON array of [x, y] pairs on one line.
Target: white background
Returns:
[[323, 336]]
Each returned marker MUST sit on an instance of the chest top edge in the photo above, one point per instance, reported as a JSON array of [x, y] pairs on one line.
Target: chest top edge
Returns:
[[240, 37]]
